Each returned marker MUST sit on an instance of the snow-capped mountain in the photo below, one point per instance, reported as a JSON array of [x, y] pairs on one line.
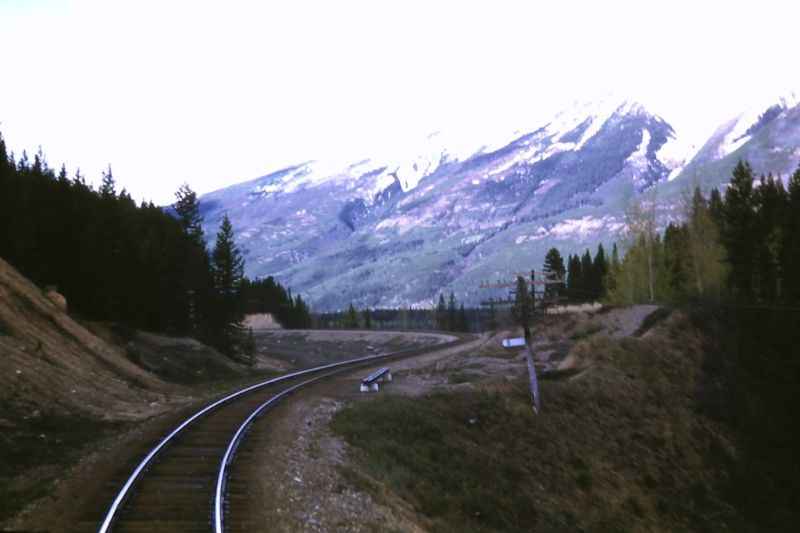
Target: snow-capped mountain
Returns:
[[447, 213], [764, 134]]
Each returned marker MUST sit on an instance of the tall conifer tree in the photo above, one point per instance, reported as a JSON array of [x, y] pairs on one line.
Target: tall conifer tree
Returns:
[[108, 190], [599, 271], [228, 270], [790, 245], [554, 263], [738, 228], [451, 312], [441, 314]]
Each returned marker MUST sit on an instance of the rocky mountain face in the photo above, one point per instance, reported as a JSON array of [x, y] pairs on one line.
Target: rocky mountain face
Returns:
[[394, 233]]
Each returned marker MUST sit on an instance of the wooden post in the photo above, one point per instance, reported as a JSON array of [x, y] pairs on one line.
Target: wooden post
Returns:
[[532, 375]]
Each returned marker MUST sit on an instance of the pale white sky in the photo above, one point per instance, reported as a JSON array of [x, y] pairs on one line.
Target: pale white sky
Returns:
[[214, 93]]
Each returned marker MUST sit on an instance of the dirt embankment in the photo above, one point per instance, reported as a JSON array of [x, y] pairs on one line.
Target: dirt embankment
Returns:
[[52, 363], [68, 389]]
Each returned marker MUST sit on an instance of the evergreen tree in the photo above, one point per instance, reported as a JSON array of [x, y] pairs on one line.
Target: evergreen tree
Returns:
[[738, 228], [554, 264], [268, 296], [23, 165], [462, 319], [586, 288], [351, 319], [575, 279], [79, 181], [108, 185], [599, 271], [40, 163], [790, 245], [770, 200], [5, 163], [451, 312], [367, 319], [194, 290], [302, 314], [441, 314], [676, 262], [187, 209], [63, 179], [114, 260], [715, 209], [228, 274]]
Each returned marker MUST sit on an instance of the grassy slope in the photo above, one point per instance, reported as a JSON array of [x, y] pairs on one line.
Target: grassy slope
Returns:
[[38, 449], [626, 441]]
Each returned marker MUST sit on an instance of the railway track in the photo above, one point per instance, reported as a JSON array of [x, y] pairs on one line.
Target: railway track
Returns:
[[181, 484]]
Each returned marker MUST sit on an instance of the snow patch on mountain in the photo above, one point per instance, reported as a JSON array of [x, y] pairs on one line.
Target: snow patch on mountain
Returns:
[[596, 112], [411, 161], [602, 114], [575, 228], [639, 158], [518, 158], [731, 143], [545, 186], [306, 175], [744, 125], [583, 227], [678, 150], [400, 223]]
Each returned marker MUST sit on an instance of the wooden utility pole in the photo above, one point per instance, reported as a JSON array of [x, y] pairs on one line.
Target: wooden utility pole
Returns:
[[534, 382], [528, 303]]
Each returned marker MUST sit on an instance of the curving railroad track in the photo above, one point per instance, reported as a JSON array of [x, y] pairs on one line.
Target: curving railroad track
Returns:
[[181, 484]]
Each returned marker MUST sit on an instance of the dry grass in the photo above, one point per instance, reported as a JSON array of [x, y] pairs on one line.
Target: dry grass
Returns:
[[619, 446]]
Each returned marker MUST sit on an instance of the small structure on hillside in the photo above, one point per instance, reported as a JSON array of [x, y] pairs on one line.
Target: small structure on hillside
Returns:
[[371, 382]]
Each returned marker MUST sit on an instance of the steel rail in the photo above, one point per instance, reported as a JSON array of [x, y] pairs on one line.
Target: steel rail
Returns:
[[219, 493], [233, 445], [142, 466], [123, 493]]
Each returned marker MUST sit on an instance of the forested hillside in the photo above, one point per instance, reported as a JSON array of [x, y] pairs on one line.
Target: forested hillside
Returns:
[[735, 262], [741, 246], [134, 264]]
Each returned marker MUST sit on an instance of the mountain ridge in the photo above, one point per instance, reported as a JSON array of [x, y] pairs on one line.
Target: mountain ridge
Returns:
[[394, 233]]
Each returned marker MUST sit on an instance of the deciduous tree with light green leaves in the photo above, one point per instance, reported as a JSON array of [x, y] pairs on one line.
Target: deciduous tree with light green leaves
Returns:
[[707, 255]]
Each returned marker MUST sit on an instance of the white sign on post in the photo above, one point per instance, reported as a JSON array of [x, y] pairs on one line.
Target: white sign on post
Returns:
[[513, 343]]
